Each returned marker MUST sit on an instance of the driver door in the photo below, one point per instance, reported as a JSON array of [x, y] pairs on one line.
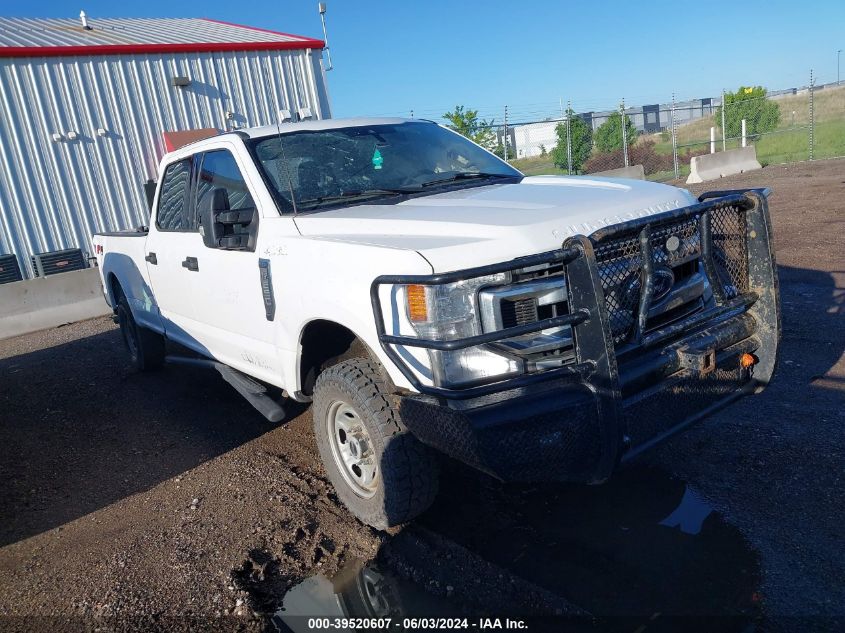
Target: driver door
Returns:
[[229, 309]]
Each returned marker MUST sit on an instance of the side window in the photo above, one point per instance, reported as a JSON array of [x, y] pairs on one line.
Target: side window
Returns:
[[219, 178], [171, 214]]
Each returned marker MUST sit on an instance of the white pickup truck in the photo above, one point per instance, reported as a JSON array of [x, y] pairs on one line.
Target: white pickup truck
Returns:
[[425, 295]]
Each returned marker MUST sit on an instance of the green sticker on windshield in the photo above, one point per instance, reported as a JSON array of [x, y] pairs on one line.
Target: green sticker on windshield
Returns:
[[378, 161]]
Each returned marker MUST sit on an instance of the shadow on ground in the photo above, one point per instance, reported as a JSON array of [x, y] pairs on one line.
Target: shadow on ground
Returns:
[[79, 430]]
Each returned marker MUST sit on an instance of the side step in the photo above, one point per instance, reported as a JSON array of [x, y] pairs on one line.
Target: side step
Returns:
[[254, 392]]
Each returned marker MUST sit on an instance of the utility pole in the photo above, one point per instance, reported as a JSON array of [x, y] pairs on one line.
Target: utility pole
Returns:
[[839, 52], [724, 129], [568, 138], [624, 133], [812, 116], [675, 142], [505, 137]]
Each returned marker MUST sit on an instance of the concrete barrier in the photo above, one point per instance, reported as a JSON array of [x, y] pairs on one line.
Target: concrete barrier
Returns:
[[636, 172], [721, 164], [37, 304]]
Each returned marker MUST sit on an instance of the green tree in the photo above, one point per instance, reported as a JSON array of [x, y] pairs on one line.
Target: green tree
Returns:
[[499, 150], [582, 142], [609, 134], [466, 123], [750, 103]]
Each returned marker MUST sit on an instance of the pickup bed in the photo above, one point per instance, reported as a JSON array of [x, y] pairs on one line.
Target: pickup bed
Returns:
[[426, 295]]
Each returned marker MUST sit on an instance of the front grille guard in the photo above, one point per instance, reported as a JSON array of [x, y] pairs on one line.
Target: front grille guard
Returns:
[[596, 367]]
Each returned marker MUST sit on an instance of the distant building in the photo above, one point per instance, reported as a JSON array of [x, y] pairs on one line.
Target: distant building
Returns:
[[531, 138], [90, 106]]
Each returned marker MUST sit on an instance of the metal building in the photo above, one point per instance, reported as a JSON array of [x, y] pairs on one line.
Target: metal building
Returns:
[[89, 106]]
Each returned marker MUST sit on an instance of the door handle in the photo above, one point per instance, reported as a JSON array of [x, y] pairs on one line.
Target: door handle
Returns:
[[152, 259], [191, 263]]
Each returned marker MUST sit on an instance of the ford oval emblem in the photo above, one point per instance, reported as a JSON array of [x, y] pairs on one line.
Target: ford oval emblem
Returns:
[[664, 279]]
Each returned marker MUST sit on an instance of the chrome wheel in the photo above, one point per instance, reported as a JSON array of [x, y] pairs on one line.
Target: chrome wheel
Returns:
[[352, 449]]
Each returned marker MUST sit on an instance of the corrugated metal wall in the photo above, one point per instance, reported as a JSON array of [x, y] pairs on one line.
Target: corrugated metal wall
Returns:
[[55, 193]]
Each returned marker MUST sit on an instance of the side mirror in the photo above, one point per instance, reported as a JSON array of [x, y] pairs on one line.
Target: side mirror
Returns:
[[222, 227]]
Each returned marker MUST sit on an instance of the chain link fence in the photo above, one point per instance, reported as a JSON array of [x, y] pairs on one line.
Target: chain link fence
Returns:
[[784, 126]]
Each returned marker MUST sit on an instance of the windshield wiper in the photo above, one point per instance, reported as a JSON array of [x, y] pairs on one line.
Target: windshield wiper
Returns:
[[466, 175], [361, 193]]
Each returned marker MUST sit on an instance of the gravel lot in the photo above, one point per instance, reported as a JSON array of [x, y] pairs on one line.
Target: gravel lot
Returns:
[[164, 501]]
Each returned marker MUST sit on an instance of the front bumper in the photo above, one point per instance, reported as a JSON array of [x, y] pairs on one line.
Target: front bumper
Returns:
[[578, 422]]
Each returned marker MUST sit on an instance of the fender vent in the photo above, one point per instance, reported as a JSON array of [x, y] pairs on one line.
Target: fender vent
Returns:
[[55, 262], [10, 270]]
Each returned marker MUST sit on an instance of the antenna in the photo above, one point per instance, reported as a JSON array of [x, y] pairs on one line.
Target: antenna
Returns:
[[321, 7]]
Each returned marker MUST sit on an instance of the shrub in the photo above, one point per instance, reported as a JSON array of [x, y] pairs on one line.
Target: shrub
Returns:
[[608, 136], [750, 103], [582, 142]]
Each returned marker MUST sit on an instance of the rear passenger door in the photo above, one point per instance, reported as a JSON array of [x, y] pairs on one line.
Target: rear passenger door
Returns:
[[229, 306], [172, 237]]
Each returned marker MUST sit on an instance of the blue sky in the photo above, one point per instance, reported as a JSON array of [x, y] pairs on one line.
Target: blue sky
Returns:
[[394, 57]]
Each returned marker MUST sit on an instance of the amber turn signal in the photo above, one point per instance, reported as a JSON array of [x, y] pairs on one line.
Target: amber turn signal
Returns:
[[747, 360], [417, 308]]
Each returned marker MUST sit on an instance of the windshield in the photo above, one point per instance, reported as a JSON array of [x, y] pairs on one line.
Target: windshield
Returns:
[[325, 168]]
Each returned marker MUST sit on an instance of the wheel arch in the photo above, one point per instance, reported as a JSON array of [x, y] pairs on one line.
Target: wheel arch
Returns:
[[114, 289], [324, 343]]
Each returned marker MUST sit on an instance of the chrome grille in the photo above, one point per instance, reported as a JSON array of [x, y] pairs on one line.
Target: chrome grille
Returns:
[[538, 293]]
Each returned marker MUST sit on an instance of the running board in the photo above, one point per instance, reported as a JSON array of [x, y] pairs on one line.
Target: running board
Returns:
[[253, 392]]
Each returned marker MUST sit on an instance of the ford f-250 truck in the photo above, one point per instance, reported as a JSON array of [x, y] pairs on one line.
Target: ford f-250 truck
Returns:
[[424, 294]]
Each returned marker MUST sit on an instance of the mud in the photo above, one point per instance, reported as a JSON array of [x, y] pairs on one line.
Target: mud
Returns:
[[163, 501]]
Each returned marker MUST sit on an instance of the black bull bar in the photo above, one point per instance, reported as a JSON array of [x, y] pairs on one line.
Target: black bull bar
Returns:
[[731, 230]]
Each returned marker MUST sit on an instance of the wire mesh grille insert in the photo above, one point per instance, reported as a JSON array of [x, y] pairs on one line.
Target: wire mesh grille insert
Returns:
[[676, 245], [730, 249]]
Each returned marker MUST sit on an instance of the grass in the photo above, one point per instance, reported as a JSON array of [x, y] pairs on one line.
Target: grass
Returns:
[[789, 143], [537, 166]]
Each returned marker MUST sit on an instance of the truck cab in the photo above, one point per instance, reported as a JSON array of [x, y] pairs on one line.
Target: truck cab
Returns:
[[427, 297]]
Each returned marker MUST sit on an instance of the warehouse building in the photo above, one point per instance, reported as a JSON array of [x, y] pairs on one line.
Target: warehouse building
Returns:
[[88, 107]]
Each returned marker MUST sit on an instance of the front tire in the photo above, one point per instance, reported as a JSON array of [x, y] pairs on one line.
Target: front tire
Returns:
[[381, 472], [146, 348]]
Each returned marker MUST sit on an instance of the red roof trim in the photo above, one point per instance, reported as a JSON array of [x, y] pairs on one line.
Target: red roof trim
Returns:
[[192, 47]]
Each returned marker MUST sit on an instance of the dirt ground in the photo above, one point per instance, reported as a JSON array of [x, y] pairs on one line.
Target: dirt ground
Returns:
[[162, 501]]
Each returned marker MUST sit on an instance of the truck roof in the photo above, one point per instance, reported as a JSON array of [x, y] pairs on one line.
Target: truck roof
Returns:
[[285, 128], [322, 124]]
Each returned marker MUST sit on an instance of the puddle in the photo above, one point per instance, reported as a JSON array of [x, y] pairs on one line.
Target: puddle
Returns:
[[359, 590], [639, 551]]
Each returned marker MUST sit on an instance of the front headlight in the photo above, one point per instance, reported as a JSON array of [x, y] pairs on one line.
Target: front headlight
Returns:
[[446, 312]]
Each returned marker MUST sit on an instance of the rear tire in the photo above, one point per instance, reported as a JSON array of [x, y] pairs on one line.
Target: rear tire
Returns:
[[382, 473], [146, 348]]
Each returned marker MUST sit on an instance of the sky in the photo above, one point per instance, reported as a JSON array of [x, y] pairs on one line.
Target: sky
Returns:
[[395, 58]]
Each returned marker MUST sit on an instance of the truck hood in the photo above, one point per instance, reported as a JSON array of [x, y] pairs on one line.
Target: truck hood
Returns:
[[494, 223]]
